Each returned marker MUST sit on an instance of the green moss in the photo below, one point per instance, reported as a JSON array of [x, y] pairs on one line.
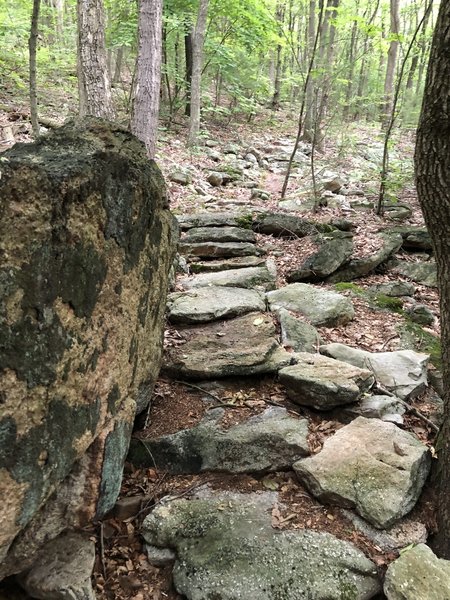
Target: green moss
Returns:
[[423, 341], [345, 286], [388, 302], [245, 221]]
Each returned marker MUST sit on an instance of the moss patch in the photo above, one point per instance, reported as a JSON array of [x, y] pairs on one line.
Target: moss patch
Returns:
[[346, 286]]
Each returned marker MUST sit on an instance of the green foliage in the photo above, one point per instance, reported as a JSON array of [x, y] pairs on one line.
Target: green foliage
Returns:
[[388, 302], [345, 286], [425, 341]]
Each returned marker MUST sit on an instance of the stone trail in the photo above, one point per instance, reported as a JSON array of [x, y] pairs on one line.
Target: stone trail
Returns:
[[231, 321]]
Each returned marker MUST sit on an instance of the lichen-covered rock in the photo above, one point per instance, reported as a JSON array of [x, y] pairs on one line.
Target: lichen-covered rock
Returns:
[[227, 549], [270, 441], [86, 242]]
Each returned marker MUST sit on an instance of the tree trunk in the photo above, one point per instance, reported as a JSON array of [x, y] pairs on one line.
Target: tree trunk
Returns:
[[32, 46], [144, 116], [118, 64], [391, 62], [432, 161], [308, 126], [197, 59], [188, 59], [93, 78], [275, 103]]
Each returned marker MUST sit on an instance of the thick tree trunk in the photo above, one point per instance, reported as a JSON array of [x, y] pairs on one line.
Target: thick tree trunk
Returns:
[[391, 62], [32, 46], [432, 162], [93, 78], [144, 117], [197, 60], [308, 126]]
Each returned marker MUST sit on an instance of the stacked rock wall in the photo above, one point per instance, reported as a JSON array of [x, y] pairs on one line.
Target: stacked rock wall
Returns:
[[86, 244]]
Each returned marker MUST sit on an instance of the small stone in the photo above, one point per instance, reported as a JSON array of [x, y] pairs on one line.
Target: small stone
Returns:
[[419, 313], [180, 177], [215, 179], [160, 557], [128, 507]]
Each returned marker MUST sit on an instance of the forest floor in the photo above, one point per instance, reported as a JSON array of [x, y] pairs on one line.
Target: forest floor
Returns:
[[122, 569]]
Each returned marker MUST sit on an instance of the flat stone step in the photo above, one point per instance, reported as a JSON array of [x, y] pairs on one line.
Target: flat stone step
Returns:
[[246, 345], [212, 303], [218, 234], [270, 441], [260, 278], [215, 219], [213, 266], [218, 249]]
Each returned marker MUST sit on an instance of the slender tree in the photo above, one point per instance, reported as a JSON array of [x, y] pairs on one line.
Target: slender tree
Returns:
[[144, 118], [94, 84], [32, 46], [432, 162], [391, 62], [198, 39]]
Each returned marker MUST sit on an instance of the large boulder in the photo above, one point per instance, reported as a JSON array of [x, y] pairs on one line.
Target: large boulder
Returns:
[[266, 442], [369, 465], [321, 307], [418, 574], [87, 242], [226, 549]]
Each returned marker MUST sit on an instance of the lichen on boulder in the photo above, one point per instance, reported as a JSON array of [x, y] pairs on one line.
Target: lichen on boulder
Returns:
[[86, 244]]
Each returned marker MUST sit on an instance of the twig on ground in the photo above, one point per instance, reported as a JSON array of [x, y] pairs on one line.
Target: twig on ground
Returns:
[[408, 407]]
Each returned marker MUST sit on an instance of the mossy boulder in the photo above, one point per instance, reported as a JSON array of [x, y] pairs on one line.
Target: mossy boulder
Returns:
[[86, 241]]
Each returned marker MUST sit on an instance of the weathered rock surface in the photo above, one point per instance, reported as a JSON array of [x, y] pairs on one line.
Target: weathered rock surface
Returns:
[[63, 570], [386, 408], [213, 266], [334, 250], [418, 574], [215, 219], [86, 241], [394, 289], [414, 238], [218, 234], [424, 273], [201, 305], [324, 383], [321, 307], [283, 225], [403, 372], [358, 267], [295, 333], [419, 313], [242, 346], [227, 550], [218, 249], [371, 466], [267, 442], [260, 278]]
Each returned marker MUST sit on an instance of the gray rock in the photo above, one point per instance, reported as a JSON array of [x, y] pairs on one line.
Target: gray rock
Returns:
[[160, 557], [403, 372], [211, 143], [419, 313], [414, 238], [333, 184], [218, 249], [358, 267], [227, 550], [324, 383], [304, 205], [418, 574], [215, 178], [398, 536], [248, 277], [180, 177], [218, 234], [295, 333], [386, 408], [63, 570], [369, 465], [213, 266], [242, 346], [214, 155], [212, 303], [270, 441], [322, 308], [283, 225], [424, 273], [394, 289], [215, 219], [334, 250], [397, 212]]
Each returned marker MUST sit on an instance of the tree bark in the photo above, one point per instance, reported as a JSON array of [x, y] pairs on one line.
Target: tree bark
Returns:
[[432, 162], [198, 40], [94, 83], [275, 103], [32, 46], [308, 126], [144, 117], [188, 60], [391, 61]]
